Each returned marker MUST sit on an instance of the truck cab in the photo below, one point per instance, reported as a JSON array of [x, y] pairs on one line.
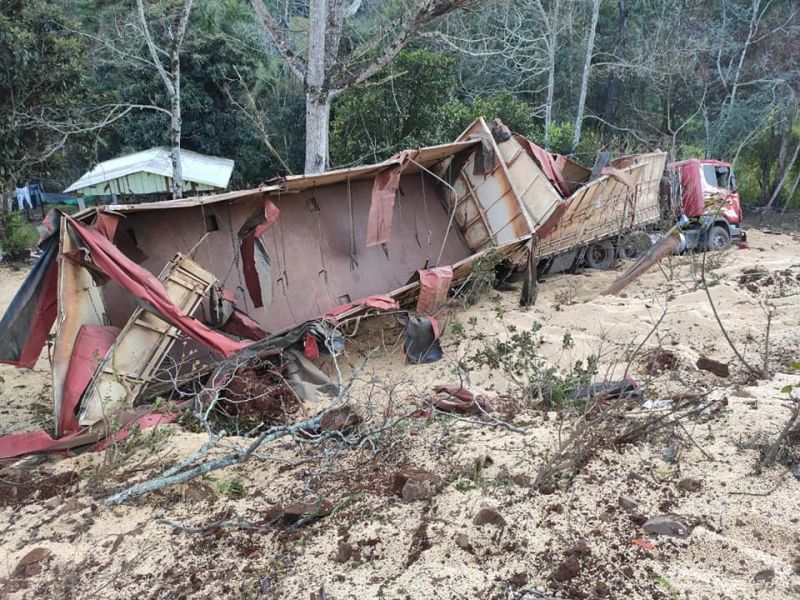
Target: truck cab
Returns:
[[709, 210]]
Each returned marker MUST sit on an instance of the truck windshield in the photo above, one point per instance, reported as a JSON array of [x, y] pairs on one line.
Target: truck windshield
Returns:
[[718, 176]]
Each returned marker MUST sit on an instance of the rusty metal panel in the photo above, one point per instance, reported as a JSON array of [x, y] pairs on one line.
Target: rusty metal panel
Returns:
[[607, 206], [143, 343]]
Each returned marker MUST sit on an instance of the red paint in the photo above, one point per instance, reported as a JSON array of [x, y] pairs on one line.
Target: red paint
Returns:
[[384, 190], [91, 346]]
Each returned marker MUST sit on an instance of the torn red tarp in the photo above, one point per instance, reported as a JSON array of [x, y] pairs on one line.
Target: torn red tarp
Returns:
[[148, 289], [33, 442], [106, 224], [547, 164], [28, 319], [377, 301], [91, 346], [384, 190], [249, 240], [433, 287], [240, 324]]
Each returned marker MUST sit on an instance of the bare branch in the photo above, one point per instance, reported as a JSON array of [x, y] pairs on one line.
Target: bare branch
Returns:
[[278, 38]]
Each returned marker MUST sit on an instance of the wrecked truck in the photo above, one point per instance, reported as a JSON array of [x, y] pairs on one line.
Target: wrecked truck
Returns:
[[143, 299]]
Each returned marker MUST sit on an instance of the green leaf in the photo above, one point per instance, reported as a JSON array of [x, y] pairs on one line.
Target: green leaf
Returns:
[[786, 389]]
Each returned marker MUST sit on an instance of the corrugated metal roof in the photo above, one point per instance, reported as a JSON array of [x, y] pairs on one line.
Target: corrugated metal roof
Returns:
[[197, 168]]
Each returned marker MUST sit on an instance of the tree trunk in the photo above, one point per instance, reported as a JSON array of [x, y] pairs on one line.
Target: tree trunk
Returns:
[[318, 111], [552, 42], [318, 100], [792, 192], [779, 185], [587, 69], [175, 137], [613, 89]]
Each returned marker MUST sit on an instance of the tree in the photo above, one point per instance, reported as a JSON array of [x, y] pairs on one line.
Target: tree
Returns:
[[172, 80], [587, 70], [328, 66]]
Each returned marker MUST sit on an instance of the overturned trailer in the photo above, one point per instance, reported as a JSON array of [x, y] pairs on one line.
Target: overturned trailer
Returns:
[[272, 270]]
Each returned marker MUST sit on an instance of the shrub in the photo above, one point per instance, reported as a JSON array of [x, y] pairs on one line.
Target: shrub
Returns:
[[17, 236]]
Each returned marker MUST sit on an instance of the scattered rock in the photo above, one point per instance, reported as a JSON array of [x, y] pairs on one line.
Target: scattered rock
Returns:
[[29, 564], [690, 484], [601, 590], [419, 543], [672, 525], [518, 580], [343, 418], [627, 503], [344, 552], [71, 506], [415, 484], [639, 519], [521, 480], [765, 575], [713, 366], [567, 570], [462, 541], [489, 516]]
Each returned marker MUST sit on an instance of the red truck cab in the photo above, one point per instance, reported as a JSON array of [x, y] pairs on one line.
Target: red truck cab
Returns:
[[709, 203]]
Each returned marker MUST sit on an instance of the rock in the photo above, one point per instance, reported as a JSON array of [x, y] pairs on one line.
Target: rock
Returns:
[[420, 542], [343, 418], [601, 590], [667, 525], [489, 516], [29, 564], [344, 552], [580, 549], [415, 484], [627, 503], [462, 541], [713, 366], [765, 575], [567, 569], [690, 484], [639, 519], [522, 480], [71, 506]]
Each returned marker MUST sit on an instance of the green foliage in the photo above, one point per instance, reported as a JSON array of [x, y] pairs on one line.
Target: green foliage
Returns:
[[377, 119], [456, 115], [517, 360], [17, 236], [41, 70], [231, 488]]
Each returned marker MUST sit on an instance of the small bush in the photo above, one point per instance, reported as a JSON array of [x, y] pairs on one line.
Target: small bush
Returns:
[[17, 236]]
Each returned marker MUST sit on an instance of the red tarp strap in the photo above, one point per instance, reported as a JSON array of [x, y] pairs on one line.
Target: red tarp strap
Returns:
[[433, 287], [248, 249], [377, 301], [384, 190], [547, 164], [144, 285], [91, 346]]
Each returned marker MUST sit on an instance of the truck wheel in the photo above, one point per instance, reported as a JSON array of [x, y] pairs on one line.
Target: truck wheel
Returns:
[[718, 238], [633, 245], [600, 255]]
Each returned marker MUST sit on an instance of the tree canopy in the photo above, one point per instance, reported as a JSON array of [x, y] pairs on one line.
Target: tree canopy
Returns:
[[696, 78]]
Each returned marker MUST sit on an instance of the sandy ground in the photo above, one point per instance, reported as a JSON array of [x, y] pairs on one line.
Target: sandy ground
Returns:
[[60, 541]]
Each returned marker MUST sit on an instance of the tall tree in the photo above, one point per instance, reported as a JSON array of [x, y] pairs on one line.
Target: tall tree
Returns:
[[172, 80], [328, 67], [587, 71]]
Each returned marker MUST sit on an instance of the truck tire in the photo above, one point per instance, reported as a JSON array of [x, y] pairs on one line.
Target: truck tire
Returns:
[[633, 245], [718, 238], [600, 255]]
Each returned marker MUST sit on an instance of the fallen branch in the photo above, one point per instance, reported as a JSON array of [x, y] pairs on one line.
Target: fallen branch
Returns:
[[777, 446]]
